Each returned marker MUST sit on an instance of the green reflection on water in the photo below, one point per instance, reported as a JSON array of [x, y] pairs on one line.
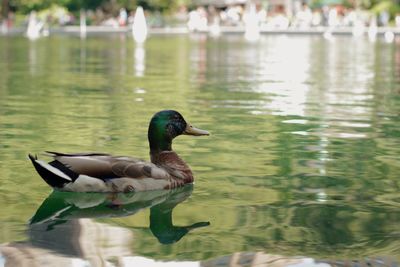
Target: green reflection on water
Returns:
[[305, 149]]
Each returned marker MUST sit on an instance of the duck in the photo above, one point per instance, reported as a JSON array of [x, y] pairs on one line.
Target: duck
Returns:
[[102, 172]]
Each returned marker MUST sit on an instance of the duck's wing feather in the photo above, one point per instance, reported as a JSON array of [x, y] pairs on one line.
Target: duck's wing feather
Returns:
[[105, 166], [135, 168], [53, 154]]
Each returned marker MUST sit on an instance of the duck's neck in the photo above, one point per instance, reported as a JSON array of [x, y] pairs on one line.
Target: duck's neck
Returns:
[[158, 146], [159, 138]]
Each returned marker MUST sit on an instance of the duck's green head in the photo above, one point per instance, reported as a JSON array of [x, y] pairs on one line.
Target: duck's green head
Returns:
[[165, 126]]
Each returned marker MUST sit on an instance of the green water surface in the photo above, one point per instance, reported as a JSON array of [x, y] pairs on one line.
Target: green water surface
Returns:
[[303, 160]]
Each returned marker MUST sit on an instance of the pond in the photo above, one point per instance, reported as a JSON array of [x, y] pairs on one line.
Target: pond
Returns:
[[301, 168]]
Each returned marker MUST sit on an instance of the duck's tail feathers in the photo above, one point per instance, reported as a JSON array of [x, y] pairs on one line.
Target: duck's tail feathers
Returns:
[[51, 175]]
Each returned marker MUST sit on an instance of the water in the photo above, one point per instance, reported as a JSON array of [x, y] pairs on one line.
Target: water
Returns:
[[302, 165]]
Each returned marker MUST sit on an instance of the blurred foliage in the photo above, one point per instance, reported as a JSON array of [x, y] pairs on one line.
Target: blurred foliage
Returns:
[[376, 6], [25, 6], [390, 6], [109, 6]]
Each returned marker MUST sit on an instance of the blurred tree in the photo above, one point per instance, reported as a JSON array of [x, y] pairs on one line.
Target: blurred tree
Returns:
[[111, 6], [25, 6], [76, 5], [391, 6], [376, 6], [4, 9], [362, 3]]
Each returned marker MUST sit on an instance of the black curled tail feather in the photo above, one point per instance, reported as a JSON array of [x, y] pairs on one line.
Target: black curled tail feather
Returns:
[[49, 177]]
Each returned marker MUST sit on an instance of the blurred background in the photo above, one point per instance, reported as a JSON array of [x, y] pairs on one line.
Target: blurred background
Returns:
[[302, 100], [201, 15]]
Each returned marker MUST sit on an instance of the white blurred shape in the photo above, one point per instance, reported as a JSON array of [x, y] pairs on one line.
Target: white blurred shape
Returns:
[[328, 35], [252, 27], [82, 25], [2, 260], [140, 56], [139, 28], [34, 26], [372, 30], [145, 262], [389, 37], [308, 262], [215, 28], [358, 29]]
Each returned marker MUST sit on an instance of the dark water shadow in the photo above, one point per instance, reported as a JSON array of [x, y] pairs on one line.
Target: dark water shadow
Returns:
[[56, 224]]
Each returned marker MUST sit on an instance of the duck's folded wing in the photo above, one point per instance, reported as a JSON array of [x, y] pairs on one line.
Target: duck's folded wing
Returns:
[[104, 166], [138, 169]]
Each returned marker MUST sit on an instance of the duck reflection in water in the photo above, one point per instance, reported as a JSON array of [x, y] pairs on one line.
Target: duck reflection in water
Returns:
[[56, 223]]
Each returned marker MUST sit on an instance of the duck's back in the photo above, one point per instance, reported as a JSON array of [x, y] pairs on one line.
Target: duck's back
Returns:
[[105, 166]]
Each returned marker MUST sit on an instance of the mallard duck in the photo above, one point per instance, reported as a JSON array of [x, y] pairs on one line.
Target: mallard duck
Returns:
[[98, 172]]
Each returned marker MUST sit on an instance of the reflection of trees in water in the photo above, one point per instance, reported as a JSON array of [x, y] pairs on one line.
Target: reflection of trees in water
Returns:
[[348, 227], [324, 229], [326, 146]]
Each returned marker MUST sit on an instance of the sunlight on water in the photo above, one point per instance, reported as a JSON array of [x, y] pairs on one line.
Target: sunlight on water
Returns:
[[301, 168]]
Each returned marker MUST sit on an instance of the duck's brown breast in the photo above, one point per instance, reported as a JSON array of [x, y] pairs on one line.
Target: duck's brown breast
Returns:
[[174, 165]]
